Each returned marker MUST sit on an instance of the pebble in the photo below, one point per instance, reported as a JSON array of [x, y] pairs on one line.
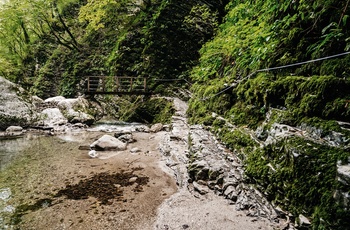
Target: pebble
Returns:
[[133, 179]]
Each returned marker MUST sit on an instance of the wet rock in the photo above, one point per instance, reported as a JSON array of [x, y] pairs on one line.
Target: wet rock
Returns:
[[107, 142], [5, 194], [79, 125], [156, 128]]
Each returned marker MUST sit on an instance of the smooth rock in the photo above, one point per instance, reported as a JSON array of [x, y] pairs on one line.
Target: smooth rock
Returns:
[[54, 99], [76, 110], [133, 179], [16, 105], [135, 150], [93, 154], [52, 117], [13, 129], [107, 142]]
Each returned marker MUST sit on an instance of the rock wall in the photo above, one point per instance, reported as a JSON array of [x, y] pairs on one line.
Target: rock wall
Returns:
[[16, 106], [19, 108], [303, 169]]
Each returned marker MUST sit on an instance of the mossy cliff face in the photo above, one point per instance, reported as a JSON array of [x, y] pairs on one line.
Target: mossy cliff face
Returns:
[[290, 126], [297, 168], [291, 133], [325, 97]]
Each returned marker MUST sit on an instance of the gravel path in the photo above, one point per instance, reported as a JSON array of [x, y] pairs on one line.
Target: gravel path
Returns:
[[187, 209]]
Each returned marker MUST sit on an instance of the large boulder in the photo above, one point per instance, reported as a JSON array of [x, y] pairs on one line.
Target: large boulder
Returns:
[[76, 110], [52, 117], [55, 100], [107, 142], [16, 106]]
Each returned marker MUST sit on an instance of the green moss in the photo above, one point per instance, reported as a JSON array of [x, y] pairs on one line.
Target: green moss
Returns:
[[300, 176], [154, 110]]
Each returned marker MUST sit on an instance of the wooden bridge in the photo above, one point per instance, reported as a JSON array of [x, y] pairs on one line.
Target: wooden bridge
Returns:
[[116, 85]]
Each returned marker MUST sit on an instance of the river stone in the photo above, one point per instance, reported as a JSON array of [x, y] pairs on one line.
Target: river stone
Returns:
[[127, 138], [135, 150], [107, 142], [121, 133], [156, 128], [55, 99], [133, 179], [16, 105], [52, 117], [76, 110], [13, 129], [93, 154]]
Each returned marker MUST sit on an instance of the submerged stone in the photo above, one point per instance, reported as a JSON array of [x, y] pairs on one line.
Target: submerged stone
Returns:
[[5, 194]]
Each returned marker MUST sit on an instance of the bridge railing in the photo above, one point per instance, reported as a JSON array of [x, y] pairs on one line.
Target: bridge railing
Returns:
[[116, 85]]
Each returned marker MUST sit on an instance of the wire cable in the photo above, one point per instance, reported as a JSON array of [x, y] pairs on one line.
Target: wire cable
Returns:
[[236, 82]]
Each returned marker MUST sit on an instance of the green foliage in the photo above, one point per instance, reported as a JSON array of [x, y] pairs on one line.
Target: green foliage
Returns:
[[164, 39], [300, 176], [325, 97], [154, 110], [259, 34], [255, 35]]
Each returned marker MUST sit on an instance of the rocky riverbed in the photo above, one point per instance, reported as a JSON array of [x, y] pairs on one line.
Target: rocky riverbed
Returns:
[[54, 182]]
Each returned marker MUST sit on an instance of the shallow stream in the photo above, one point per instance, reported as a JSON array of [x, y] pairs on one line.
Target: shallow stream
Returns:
[[40, 173]]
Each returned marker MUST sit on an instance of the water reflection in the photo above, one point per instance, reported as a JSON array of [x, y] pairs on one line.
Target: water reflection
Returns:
[[11, 148]]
